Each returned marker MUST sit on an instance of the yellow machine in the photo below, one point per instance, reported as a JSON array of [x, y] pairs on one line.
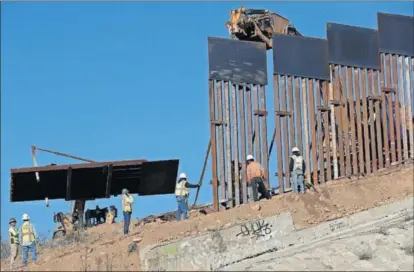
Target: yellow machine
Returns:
[[66, 227], [258, 25]]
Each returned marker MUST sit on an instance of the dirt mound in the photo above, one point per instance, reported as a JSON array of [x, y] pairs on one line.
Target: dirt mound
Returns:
[[105, 249]]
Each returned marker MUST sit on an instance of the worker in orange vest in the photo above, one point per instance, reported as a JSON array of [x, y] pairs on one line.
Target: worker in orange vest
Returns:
[[255, 179]]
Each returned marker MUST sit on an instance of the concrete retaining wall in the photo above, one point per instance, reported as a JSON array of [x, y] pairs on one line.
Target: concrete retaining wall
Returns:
[[219, 248]]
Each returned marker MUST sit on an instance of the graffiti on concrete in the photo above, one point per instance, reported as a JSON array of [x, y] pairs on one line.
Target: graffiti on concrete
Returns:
[[255, 229], [337, 225]]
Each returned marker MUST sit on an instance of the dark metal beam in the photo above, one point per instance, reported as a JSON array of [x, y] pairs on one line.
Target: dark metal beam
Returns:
[[108, 181], [69, 184]]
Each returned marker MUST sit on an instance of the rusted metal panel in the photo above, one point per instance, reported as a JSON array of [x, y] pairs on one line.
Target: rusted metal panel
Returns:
[[394, 82], [365, 122], [334, 112], [313, 163], [387, 70], [384, 115], [410, 89], [89, 180], [220, 141], [321, 143], [359, 120], [300, 56], [396, 34], [305, 129], [265, 156], [376, 91], [339, 118], [347, 143], [325, 95], [242, 121], [352, 128], [276, 87], [401, 93], [235, 144], [353, 46], [371, 122], [213, 145], [237, 61], [228, 147], [285, 141]]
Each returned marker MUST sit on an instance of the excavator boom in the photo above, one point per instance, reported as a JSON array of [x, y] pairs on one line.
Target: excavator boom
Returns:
[[258, 25]]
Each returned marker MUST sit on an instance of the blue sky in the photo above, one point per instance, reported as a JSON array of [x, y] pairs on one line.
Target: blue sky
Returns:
[[112, 81]]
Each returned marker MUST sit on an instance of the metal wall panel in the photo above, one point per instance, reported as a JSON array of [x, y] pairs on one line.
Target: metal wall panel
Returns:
[[300, 56], [353, 46], [396, 34], [237, 61]]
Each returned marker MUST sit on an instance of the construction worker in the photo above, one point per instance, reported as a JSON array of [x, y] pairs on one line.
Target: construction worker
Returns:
[[182, 193], [14, 241], [297, 168], [127, 201], [28, 238], [255, 179]]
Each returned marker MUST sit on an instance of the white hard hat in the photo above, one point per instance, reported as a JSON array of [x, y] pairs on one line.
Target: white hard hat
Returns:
[[25, 217], [182, 176], [295, 149], [249, 157]]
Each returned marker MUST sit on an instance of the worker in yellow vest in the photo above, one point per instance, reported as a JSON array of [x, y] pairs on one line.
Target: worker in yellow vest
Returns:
[[28, 238], [127, 201], [14, 241], [182, 193]]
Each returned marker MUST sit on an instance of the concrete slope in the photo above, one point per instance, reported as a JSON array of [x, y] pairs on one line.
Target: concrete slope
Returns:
[[223, 248]]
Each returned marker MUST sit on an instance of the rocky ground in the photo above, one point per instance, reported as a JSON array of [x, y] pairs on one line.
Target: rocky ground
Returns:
[[103, 248]]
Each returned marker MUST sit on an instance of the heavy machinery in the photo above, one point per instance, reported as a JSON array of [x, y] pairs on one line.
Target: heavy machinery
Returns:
[[258, 25]]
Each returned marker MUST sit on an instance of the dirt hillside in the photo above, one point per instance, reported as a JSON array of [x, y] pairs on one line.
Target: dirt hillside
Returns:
[[103, 248]]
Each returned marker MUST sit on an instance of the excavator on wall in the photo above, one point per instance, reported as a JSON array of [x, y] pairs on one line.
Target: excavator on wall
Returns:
[[258, 25]]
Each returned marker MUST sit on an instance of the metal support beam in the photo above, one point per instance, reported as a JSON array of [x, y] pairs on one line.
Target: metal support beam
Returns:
[[108, 181], [69, 184]]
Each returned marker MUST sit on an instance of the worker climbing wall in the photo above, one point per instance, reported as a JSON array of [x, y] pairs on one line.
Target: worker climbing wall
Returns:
[[237, 76]]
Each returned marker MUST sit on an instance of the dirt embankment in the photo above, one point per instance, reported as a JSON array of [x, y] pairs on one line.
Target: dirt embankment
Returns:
[[105, 249]]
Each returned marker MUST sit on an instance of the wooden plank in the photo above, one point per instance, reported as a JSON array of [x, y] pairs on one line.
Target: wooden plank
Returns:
[[397, 109], [338, 115], [278, 135], [213, 145], [371, 123], [326, 127], [333, 124], [365, 122], [265, 152], [257, 138], [344, 97], [220, 142], [350, 87], [312, 111], [284, 121], [298, 113], [359, 120], [377, 91], [242, 121], [228, 143], [320, 144], [390, 108], [235, 145], [410, 89], [384, 115], [305, 129]]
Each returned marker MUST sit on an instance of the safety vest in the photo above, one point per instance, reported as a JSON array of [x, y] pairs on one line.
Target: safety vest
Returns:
[[14, 236], [254, 170], [297, 162], [127, 205], [181, 189], [27, 232]]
